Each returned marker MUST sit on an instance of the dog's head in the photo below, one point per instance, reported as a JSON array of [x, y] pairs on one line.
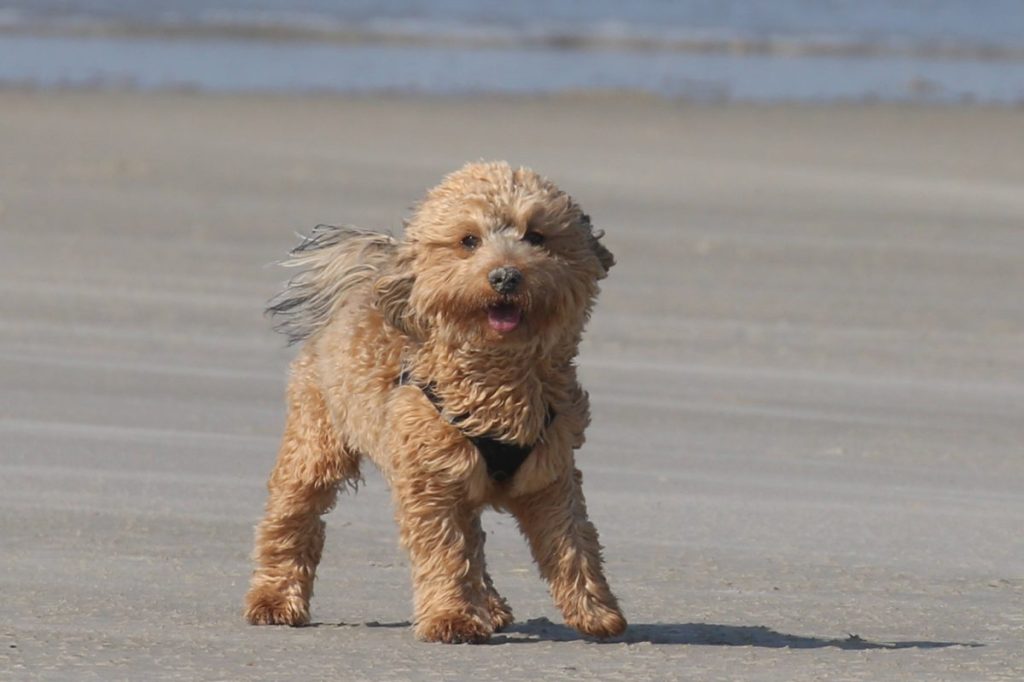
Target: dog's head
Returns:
[[495, 256]]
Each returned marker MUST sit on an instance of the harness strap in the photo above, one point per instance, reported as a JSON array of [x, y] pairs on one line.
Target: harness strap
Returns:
[[503, 459]]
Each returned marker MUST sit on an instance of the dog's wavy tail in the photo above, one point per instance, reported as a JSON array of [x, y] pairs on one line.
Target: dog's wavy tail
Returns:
[[334, 261]]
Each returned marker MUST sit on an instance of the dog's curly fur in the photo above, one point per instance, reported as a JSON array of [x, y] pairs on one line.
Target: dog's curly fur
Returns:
[[383, 319]]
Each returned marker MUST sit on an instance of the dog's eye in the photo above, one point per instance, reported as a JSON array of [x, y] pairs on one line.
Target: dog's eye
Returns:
[[533, 237], [470, 242]]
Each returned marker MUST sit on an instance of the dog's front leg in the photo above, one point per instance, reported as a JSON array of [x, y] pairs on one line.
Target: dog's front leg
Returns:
[[440, 532], [566, 548]]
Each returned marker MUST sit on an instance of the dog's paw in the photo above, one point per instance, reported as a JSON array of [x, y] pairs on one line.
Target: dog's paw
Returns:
[[598, 620], [501, 613], [264, 606], [454, 628]]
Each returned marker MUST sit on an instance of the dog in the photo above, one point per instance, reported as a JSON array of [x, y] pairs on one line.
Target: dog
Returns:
[[445, 357]]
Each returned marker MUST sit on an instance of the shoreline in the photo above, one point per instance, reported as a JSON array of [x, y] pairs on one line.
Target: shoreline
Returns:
[[301, 67], [568, 96], [342, 35]]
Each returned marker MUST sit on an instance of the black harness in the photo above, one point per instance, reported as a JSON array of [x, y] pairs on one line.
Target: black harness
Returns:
[[503, 459]]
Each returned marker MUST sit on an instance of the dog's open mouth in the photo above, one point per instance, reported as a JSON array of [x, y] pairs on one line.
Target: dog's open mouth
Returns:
[[504, 317]]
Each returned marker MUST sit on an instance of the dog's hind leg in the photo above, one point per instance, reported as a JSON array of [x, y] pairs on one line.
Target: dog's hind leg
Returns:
[[311, 466], [501, 614], [565, 545]]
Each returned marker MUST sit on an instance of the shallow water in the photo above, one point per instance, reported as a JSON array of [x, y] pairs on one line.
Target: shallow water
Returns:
[[941, 50]]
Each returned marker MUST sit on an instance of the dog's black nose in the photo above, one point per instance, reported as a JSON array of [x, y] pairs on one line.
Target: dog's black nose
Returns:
[[505, 280]]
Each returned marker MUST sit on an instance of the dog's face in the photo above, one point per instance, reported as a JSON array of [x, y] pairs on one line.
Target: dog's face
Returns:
[[496, 256]]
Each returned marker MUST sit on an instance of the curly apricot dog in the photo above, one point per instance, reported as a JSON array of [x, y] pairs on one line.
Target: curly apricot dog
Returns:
[[446, 358]]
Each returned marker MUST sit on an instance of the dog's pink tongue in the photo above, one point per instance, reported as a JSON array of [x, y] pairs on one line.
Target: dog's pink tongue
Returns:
[[504, 318]]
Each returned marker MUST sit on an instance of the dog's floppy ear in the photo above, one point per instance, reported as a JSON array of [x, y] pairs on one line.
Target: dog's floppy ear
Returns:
[[334, 262], [604, 256], [391, 295]]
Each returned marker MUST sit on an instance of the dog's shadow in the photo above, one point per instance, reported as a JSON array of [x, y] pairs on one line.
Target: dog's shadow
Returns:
[[538, 630], [704, 634]]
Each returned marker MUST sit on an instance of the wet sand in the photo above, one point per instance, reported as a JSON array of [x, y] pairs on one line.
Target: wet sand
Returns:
[[807, 373]]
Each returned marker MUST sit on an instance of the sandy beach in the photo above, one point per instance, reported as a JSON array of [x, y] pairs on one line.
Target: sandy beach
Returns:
[[806, 371]]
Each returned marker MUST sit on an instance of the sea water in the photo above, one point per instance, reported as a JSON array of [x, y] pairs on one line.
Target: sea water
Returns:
[[805, 50]]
